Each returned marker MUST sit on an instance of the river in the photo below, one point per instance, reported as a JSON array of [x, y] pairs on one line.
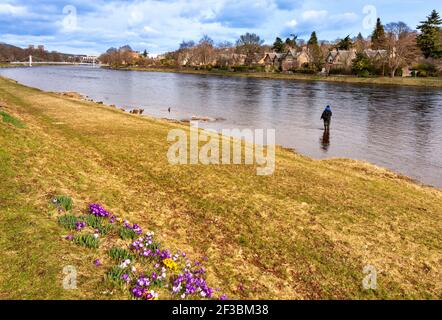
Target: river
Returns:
[[399, 128]]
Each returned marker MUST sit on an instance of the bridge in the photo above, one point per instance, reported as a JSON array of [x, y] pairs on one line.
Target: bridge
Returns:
[[55, 63], [85, 61]]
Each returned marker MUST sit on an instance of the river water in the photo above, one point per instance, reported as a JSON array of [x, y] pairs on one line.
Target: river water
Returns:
[[399, 128]]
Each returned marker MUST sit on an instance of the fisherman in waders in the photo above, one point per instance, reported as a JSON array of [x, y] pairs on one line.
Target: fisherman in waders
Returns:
[[326, 116]]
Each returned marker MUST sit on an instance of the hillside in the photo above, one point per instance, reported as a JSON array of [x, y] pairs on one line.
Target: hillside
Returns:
[[10, 53], [306, 232]]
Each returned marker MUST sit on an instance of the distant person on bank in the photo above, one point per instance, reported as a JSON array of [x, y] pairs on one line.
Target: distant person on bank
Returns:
[[326, 116]]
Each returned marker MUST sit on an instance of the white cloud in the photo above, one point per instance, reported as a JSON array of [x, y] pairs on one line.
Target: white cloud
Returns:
[[292, 23], [9, 9], [314, 15], [345, 17], [149, 29]]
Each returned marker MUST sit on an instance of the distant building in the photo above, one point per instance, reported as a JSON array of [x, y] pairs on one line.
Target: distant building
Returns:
[[375, 54], [287, 61], [89, 59], [340, 59]]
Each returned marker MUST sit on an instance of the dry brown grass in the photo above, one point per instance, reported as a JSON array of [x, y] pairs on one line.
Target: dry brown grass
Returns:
[[304, 233]]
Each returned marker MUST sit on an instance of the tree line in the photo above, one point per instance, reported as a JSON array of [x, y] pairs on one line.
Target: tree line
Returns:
[[397, 45], [9, 53]]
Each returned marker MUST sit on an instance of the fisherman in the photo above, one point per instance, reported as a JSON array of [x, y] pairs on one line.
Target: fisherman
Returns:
[[168, 109], [326, 116]]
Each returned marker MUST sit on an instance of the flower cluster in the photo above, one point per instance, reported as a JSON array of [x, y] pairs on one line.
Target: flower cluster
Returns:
[[98, 210], [135, 227], [189, 283], [173, 271], [80, 225], [171, 264]]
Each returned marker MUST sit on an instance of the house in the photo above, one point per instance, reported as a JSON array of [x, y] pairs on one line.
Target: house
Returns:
[[272, 60], [375, 54], [230, 59], [340, 59], [286, 61]]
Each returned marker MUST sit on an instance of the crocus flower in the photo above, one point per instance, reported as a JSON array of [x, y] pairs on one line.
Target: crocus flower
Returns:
[[80, 225], [97, 262]]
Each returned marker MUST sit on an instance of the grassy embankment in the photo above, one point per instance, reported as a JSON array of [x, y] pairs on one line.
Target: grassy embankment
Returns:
[[306, 232], [422, 82]]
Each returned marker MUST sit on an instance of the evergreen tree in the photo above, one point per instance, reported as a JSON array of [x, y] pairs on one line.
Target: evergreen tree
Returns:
[[278, 45], [429, 39], [315, 51], [359, 43], [291, 42], [145, 54], [345, 44], [362, 66], [378, 38]]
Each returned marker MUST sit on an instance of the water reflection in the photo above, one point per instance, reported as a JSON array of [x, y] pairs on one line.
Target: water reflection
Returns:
[[325, 140]]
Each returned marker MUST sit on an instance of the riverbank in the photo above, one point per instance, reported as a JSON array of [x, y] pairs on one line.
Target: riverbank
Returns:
[[305, 232], [397, 81]]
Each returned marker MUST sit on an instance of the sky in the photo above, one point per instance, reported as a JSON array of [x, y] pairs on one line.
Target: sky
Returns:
[[93, 26]]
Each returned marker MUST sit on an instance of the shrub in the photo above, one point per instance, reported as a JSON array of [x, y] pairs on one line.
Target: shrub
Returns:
[[426, 70], [259, 68], [68, 221], [119, 254], [240, 68], [339, 71], [87, 240], [304, 70], [362, 66]]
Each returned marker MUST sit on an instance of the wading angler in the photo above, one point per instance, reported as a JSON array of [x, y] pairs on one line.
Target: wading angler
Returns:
[[209, 147]]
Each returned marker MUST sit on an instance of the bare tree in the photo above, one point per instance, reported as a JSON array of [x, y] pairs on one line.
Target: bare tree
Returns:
[[249, 44], [401, 46], [205, 50]]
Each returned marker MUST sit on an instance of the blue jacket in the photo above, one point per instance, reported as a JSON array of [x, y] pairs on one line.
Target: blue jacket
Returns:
[[327, 114]]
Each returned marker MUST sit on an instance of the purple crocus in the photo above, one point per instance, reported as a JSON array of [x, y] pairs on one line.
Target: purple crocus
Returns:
[[80, 225], [125, 277], [98, 210]]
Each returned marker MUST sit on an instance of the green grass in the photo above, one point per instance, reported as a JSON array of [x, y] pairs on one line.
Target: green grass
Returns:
[[68, 221], [119, 254], [126, 233], [64, 202], [93, 221], [304, 233], [114, 276], [87, 240], [10, 119]]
